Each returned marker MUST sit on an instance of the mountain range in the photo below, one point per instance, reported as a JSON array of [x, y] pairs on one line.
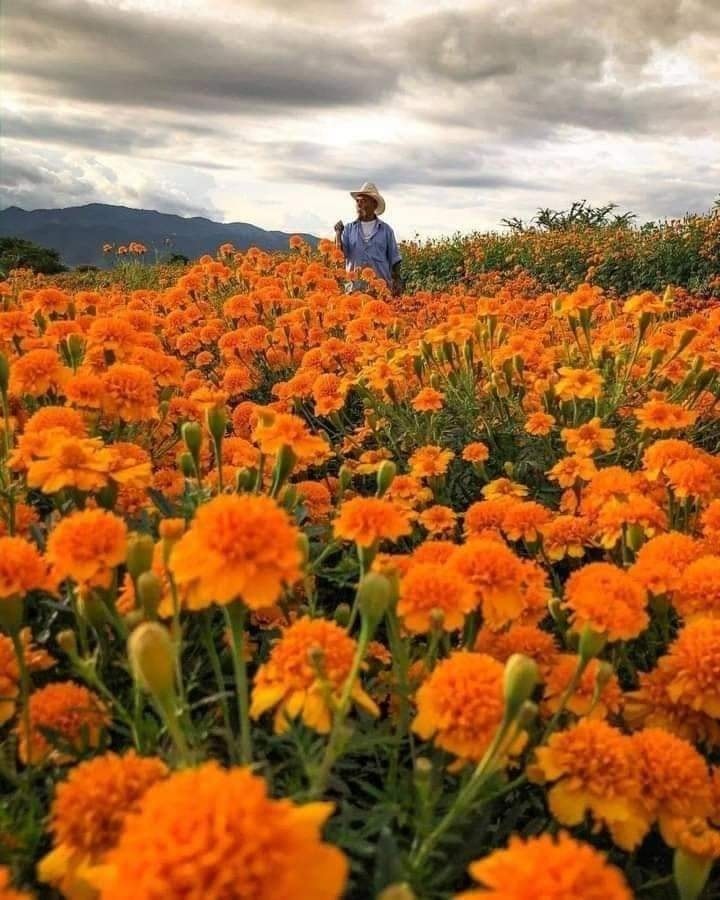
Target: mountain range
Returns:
[[79, 232]]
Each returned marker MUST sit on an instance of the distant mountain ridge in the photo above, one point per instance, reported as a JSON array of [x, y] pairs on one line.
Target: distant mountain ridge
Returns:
[[79, 232]]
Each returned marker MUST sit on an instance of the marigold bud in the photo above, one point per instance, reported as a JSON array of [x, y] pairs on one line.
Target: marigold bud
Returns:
[[691, 873], [342, 614], [67, 642], [303, 544], [397, 892], [4, 374], [373, 598], [92, 609], [152, 659], [344, 479], [192, 436], [150, 592], [284, 464], [187, 465], [385, 475], [140, 550], [519, 680], [685, 338], [76, 347], [216, 420], [591, 644]]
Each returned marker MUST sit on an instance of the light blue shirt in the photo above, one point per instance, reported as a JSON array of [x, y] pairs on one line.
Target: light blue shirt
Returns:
[[379, 251]]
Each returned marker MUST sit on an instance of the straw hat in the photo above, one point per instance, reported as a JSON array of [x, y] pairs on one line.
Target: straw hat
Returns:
[[369, 190]]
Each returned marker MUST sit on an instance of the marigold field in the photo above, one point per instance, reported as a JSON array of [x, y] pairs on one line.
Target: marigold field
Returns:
[[307, 594]]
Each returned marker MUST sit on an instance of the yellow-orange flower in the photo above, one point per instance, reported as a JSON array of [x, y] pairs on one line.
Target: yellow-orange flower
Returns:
[[430, 461], [86, 547], [692, 665], [539, 424], [524, 519], [215, 833], [21, 568], [477, 452], [428, 400], [607, 600], [129, 393], [312, 658], [566, 536], [328, 393], [496, 576], [80, 463], [528, 640], [589, 438], [503, 487], [87, 816], [581, 384], [660, 563], [698, 589], [460, 705], [547, 867], [37, 372], [369, 520], [438, 519], [428, 589], [594, 770], [277, 430], [69, 710], [674, 776], [659, 415], [237, 547], [571, 469]]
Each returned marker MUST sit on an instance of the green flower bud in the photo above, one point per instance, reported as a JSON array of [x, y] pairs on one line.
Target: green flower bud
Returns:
[[344, 479], [385, 475], [76, 348], [591, 644], [152, 659], [303, 544], [685, 338], [342, 614], [216, 419], [12, 610], [373, 598], [4, 374], [140, 550], [691, 873], [519, 680], [284, 465], [149, 592], [187, 465], [67, 642], [192, 436]]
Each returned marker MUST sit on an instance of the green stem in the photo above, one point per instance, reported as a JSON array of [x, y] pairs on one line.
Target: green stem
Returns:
[[24, 690], [235, 614], [217, 672]]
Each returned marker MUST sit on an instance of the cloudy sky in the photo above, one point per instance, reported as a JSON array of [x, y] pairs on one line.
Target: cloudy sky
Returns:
[[269, 111]]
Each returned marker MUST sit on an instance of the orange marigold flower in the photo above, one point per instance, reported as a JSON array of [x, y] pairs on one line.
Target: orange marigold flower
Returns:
[[316, 498], [694, 478], [588, 438], [623, 519], [86, 547], [277, 430], [652, 706], [486, 515], [369, 520], [37, 372], [503, 487], [695, 836], [496, 575], [583, 384], [660, 563], [88, 813], [80, 463], [438, 519], [21, 568], [644, 302], [526, 639], [710, 520], [460, 705], [607, 600], [594, 770], [554, 868], [35, 659], [698, 589], [428, 400], [433, 552], [215, 833], [693, 664], [476, 452], [85, 389], [129, 393], [659, 415], [311, 655], [539, 424], [430, 461], [328, 393], [674, 776], [237, 547], [597, 695], [69, 710], [566, 536], [523, 520], [428, 589], [658, 456], [572, 469]]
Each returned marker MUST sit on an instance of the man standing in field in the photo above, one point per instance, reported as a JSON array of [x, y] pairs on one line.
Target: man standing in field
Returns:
[[369, 242]]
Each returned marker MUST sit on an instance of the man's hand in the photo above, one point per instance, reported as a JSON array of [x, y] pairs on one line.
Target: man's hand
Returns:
[[396, 288], [339, 227]]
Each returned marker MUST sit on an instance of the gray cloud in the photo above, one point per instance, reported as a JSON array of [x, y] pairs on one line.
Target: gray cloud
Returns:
[[392, 165], [77, 49]]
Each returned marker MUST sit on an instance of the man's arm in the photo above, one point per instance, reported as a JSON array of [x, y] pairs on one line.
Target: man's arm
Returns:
[[339, 228], [395, 260]]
